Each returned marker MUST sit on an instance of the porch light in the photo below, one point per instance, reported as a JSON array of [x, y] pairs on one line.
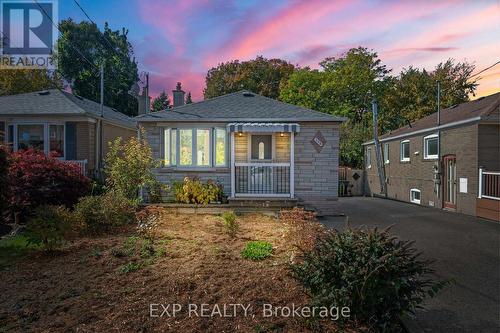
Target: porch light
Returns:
[[240, 134], [282, 134]]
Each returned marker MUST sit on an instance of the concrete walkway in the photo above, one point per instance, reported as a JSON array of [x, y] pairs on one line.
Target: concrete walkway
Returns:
[[466, 249]]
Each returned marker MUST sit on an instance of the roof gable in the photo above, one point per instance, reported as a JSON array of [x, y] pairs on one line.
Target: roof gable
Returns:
[[238, 106], [56, 102]]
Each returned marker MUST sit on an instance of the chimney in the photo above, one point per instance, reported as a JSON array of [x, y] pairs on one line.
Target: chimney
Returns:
[[178, 95]]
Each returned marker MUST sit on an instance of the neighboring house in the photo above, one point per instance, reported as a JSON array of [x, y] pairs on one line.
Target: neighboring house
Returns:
[[454, 166], [256, 147], [64, 124]]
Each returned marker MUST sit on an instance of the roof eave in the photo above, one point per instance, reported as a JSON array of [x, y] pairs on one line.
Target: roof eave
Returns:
[[161, 119]]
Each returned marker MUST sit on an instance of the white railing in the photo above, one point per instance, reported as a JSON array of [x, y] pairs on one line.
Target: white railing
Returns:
[[489, 184], [82, 165], [263, 179]]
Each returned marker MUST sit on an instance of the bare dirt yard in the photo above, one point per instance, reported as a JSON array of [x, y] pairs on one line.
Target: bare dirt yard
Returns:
[[109, 283]]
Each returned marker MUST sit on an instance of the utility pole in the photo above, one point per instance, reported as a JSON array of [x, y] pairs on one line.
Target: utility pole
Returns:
[[99, 123], [380, 166], [146, 95], [437, 166]]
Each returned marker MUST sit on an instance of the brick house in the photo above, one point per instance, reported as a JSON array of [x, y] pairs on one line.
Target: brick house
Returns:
[[62, 123], [453, 166], [258, 148]]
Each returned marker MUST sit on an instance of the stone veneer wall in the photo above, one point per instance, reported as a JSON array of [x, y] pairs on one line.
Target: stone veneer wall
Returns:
[[317, 173]]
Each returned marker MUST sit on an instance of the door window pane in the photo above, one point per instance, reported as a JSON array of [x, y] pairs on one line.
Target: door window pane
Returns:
[[186, 146], [220, 147], [261, 147], [203, 147], [30, 136], [56, 139]]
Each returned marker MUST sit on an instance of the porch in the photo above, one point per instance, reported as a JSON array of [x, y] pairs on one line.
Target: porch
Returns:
[[262, 160]]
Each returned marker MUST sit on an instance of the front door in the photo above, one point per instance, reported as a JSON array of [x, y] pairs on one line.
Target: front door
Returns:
[[261, 152], [450, 181]]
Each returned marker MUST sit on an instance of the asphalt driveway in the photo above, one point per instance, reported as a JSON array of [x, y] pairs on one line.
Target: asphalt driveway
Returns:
[[466, 249]]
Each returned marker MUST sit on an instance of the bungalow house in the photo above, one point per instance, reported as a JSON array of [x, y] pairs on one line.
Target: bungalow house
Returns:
[[258, 148], [58, 122], [453, 165]]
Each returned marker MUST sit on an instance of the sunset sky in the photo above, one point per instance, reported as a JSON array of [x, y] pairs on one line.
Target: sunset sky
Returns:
[[181, 40]]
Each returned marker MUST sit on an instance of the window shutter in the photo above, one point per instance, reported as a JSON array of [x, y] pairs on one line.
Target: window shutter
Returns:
[[70, 141]]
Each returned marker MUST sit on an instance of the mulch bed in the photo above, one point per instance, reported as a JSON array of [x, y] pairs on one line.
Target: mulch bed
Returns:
[[81, 288]]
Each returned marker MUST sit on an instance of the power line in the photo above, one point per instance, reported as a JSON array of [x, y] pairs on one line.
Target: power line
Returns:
[[69, 42], [121, 54], [484, 70]]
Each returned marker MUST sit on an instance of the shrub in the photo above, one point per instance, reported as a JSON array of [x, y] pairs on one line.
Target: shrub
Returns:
[[147, 223], [230, 223], [36, 179], [100, 213], [50, 227], [257, 250], [302, 228], [192, 190], [4, 167], [377, 276], [128, 166]]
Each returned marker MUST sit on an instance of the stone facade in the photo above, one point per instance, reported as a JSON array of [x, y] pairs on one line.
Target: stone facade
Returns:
[[316, 173], [467, 143]]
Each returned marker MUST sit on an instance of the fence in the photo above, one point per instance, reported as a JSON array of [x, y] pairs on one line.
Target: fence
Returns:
[[489, 184], [350, 182]]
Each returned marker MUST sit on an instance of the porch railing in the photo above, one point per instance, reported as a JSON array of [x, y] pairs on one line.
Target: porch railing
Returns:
[[262, 179], [489, 184], [82, 165]]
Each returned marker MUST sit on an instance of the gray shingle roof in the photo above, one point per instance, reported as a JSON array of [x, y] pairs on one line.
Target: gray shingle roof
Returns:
[[238, 106], [56, 102]]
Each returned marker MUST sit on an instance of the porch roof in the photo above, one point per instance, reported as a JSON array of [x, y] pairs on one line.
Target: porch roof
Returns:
[[263, 127]]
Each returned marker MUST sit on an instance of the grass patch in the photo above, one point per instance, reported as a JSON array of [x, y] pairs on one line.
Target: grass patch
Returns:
[[257, 250], [143, 250], [14, 248], [130, 267]]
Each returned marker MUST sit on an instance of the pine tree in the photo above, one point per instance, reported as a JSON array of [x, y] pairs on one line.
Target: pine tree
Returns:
[[188, 98]]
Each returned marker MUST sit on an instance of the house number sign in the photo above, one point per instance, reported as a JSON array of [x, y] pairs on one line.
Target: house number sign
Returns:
[[318, 141]]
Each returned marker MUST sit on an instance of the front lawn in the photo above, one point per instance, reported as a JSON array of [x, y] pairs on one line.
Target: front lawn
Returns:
[[108, 283]]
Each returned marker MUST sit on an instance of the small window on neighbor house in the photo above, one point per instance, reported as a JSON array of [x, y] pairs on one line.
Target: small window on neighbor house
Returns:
[[431, 146], [415, 196], [386, 153], [368, 161], [405, 150], [2, 131]]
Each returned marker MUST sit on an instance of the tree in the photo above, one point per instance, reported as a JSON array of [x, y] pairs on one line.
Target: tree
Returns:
[[413, 95], [120, 69], [345, 86], [188, 98], [19, 81], [262, 76], [161, 102]]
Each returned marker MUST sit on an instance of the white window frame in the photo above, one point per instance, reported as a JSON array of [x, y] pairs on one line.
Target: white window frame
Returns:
[[175, 131], [426, 139], [386, 153], [368, 162], [416, 201], [402, 158], [214, 145]]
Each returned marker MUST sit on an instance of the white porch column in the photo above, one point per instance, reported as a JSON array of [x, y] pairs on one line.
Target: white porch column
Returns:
[[292, 164], [232, 161]]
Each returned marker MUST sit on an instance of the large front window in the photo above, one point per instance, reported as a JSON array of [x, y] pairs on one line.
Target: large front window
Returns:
[[30, 136], [196, 147]]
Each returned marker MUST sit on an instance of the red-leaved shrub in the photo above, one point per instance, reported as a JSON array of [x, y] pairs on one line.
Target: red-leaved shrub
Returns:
[[36, 179]]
